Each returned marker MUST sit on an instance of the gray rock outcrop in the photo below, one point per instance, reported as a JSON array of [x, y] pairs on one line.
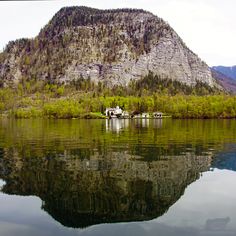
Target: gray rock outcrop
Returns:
[[110, 46]]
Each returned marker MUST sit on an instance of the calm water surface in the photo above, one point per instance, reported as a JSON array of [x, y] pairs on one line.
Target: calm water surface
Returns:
[[117, 177]]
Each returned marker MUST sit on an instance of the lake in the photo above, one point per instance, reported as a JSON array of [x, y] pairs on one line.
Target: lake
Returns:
[[117, 177]]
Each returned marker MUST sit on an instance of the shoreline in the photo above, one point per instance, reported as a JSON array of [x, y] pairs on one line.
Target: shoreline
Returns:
[[101, 117]]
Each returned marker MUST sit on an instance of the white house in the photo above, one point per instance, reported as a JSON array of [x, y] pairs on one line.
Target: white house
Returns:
[[125, 114], [114, 112], [157, 115], [145, 115]]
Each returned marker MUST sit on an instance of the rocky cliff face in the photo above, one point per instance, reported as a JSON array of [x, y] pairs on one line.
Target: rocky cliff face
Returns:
[[110, 46]]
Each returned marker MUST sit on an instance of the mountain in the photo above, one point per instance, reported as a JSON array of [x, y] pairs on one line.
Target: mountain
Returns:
[[114, 47], [229, 71], [227, 82]]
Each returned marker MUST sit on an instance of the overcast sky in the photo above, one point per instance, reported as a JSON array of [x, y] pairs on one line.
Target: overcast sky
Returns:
[[208, 27]]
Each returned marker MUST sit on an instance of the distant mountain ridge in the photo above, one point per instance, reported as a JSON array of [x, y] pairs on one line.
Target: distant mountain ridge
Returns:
[[114, 47], [226, 76], [229, 71]]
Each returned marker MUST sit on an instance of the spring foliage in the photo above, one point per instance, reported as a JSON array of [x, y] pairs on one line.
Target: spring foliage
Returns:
[[88, 100]]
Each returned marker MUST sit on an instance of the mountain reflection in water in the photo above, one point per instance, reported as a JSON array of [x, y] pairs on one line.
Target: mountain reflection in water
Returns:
[[92, 172], [118, 187]]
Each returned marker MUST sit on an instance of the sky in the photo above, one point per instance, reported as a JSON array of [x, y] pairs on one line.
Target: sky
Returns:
[[208, 27]]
